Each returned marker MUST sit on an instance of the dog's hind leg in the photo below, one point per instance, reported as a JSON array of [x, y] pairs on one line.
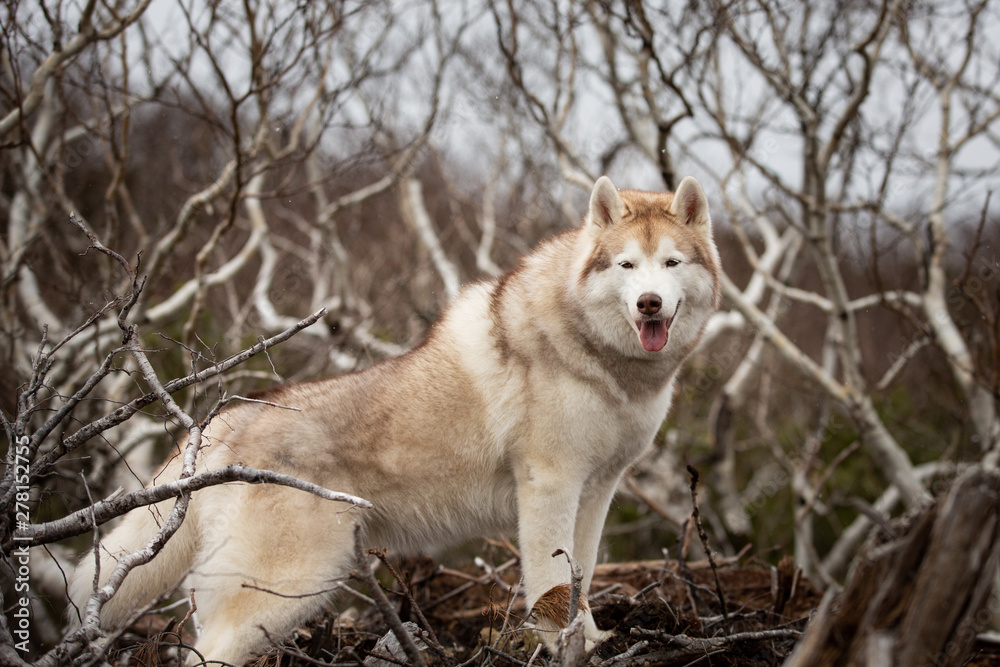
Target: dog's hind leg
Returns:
[[271, 563], [242, 622]]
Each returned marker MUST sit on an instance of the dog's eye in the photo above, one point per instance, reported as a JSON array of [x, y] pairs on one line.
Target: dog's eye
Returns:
[[673, 262], [626, 265]]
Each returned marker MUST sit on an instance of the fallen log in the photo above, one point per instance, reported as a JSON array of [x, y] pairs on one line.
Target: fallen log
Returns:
[[920, 592]]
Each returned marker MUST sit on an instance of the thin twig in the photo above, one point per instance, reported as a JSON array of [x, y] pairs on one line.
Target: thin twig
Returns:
[[507, 613], [248, 399], [506, 656], [683, 544], [364, 574], [295, 596], [696, 514], [472, 581], [531, 660], [646, 589], [576, 590], [431, 637], [634, 488], [96, 244]]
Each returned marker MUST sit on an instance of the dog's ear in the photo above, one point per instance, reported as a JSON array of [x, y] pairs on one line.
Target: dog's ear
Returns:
[[606, 207], [690, 205]]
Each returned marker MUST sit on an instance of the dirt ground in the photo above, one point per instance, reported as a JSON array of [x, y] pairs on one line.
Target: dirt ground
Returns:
[[661, 613]]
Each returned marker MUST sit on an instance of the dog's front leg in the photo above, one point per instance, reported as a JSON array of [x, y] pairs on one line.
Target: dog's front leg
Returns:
[[548, 502], [593, 511]]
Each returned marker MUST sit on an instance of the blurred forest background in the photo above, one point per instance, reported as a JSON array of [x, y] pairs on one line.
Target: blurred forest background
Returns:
[[259, 161]]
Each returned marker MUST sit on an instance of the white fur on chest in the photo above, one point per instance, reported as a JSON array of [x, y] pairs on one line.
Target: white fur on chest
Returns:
[[576, 406]]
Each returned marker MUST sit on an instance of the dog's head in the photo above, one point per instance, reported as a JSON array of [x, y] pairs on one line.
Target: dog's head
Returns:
[[651, 266]]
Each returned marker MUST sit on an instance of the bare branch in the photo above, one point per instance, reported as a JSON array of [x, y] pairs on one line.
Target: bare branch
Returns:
[[412, 204], [123, 413], [59, 57], [101, 512]]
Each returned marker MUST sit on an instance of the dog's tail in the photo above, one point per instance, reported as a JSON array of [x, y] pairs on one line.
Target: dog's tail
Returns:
[[143, 583]]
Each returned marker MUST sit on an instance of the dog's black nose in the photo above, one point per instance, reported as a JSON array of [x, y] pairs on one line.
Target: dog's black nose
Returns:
[[649, 303]]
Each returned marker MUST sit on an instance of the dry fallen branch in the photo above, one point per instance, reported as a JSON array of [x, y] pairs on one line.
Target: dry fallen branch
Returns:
[[692, 647]]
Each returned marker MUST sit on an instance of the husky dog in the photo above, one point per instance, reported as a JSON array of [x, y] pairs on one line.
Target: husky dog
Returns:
[[521, 409]]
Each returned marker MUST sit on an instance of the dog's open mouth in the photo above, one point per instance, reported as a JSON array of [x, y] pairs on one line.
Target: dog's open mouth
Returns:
[[653, 334]]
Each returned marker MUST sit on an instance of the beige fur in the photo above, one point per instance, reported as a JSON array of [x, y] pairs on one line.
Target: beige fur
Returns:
[[520, 411]]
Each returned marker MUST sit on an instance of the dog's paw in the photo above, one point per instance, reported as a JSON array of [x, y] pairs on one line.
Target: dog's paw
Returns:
[[595, 636]]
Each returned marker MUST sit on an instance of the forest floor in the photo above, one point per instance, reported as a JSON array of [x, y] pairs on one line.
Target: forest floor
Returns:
[[661, 613]]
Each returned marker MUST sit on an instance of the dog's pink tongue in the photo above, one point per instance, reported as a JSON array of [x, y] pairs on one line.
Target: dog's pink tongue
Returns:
[[653, 335]]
